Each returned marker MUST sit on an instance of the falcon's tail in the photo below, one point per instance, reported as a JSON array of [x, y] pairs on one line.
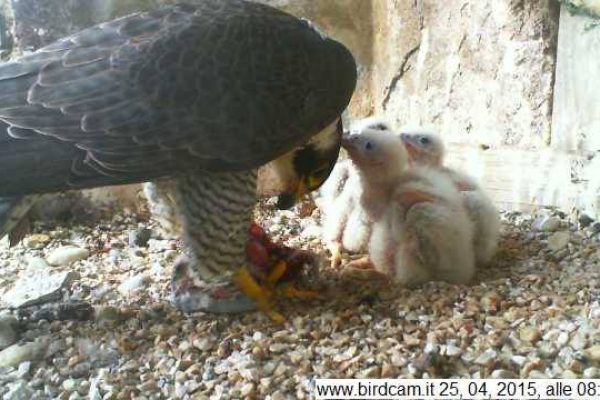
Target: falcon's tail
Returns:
[[13, 217]]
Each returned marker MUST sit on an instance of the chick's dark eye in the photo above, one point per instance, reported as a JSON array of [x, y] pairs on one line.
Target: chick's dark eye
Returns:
[[369, 146], [424, 140]]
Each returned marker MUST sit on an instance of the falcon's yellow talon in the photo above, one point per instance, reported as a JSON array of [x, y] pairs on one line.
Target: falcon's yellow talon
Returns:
[[293, 292], [277, 272], [261, 295], [275, 316], [250, 287]]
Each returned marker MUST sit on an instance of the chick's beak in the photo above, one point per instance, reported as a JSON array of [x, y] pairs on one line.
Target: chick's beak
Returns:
[[412, 150], [350, 143]]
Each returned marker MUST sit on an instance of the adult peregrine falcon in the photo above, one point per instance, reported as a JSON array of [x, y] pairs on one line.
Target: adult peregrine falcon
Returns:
[[201, 95]]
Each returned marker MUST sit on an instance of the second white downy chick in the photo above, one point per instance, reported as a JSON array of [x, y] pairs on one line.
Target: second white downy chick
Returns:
[[427, 149], [421, 231], [345, 224]]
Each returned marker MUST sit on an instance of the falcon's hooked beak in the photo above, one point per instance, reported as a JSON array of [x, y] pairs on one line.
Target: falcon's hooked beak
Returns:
[[304, 169]]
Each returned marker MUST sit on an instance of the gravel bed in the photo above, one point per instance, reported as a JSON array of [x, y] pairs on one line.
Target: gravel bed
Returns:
[[533, 313]]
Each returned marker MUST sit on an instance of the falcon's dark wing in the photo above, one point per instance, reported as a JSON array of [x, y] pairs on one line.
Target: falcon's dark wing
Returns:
[[225, 85]]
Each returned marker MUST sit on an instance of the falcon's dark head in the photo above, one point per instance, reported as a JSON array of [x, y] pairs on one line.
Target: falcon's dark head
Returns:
[[304, 169]]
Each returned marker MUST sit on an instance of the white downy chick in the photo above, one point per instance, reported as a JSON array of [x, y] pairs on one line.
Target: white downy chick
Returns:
[[421, 231], [427, 149], [345, 224]]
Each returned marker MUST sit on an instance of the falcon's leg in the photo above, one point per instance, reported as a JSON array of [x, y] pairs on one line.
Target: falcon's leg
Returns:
[[13, 217], [216, 211], [361, 263], [163, 206], [262, 295], [336, 254]]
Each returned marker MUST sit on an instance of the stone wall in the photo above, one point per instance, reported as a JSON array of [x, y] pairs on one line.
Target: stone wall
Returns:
[[477, 71]]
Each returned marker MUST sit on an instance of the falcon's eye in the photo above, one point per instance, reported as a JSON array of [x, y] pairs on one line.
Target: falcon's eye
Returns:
[[321, 172], [316, 178], [424, 140]]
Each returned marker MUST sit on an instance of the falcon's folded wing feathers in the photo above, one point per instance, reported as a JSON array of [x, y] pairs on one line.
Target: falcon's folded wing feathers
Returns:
[[173, 90]]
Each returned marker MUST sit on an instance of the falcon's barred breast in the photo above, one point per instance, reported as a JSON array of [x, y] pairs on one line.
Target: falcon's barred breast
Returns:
[[197, 94]]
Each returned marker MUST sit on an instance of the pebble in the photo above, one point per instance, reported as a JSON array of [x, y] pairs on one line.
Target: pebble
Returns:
[[114, 255], [24, 369], [36, 241], [453, 351], [535, 374], [50, 391], [66, 255], [247, 389], [13, 355], [529, 334], [431, 348], [519, 360], [591, 373], [562, 339], [593, 352], [130, 365], [133, 284], [568, 374], [108, 313], [36, 287], [70, 385], [204, 344], [139, 237], [311, 232], [18, 391], [576, 366], [36, 263], [371, 372], [487, 357], [558, 240], [8, 333], [546, 224], [180, 390], [503, 374], [578, 341], [37, 383], [94, 391], [389, 371], [157, 269], [278, 347], [585, 220]]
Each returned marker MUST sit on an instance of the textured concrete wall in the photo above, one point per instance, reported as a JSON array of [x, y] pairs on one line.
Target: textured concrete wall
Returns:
[[576, 116], [589, 8], [479, 71]]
